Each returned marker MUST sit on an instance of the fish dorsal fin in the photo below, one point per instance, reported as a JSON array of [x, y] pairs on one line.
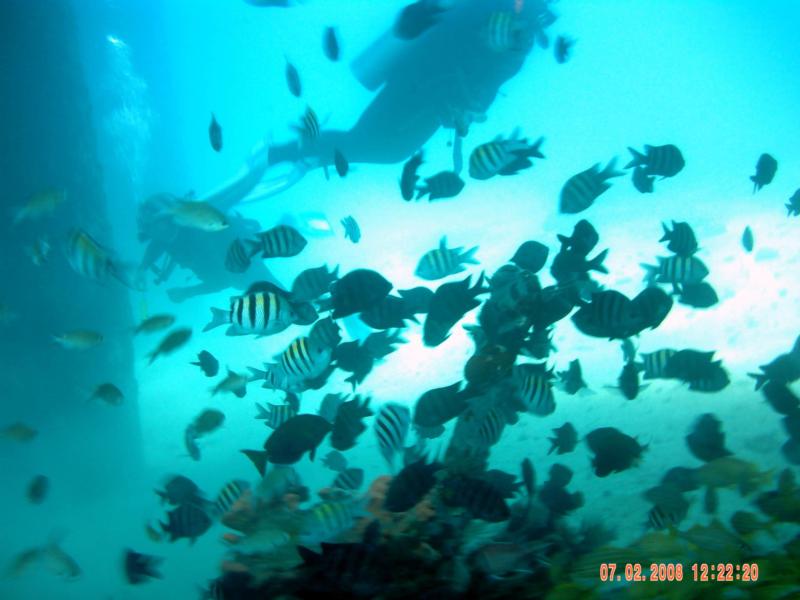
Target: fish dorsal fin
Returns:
[[443, 243]]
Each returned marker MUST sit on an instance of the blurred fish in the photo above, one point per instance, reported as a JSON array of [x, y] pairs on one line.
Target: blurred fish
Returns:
[[655, 363], [706, 440], [766, 167], [747, 524], [309, 127], [37, 489], [583, 239], [215, 134], [747, 239], [439, 405], [312, 283], [533, 383], [152, 533], [581, 190], [39, 205], [780, 397], [478, 497], [659, 518], [391, 428], [140, 567], [538, 344], [642, 181], [237, 258], [293, 80], [389, 313], [234, 383], [793, 207], [59, 562], [280, 241], [229, 494], [187, 521], [710, 500], [39, 252], [417, 300], [79, 339], [207, 362], [698, 295], [175, 340], [572, 379], [528, 477], [450, 303], [341, 164], [154, 323], [18, 432], [681, 238], [629, 350], [443, 261], [628, 380], [416, 18], [565, 440], [613, 450], [351, 229], [287, 444], [506, 31], [330, 44], [358, 291], [349, 479], [207, 421], [562, 49], [108, 393], [275, 415], [330, 406], [190, 443], [91, 260], [446, 184], [327, 520], [784, 369], [410, 486], [409, 177], [666, 161], [180, 490], [23, 561], [196, 214], [732, 472], [503, 156], [531, 256], [348, 424], [334, 460]]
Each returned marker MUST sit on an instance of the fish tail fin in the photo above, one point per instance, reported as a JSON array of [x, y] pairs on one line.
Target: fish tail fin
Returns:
[[533, 149], [469, 256], [596, 264], [760, 378], [218, 317], [564, 239], [263, 413], [651, 271], [257, 374], [553, 444], [611, 170], [667, 233], [638, 159], [252, 247], [258, 458]]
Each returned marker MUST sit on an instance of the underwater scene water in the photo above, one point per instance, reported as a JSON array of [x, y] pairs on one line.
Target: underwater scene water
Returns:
[[393, 299]]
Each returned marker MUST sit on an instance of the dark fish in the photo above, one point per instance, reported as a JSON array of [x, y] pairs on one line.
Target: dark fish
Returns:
[[666, 161], [280, 241], [325, 332], [410, 486], [681, 238], [655, 363], [354, 358], [287, 444], [489, 365], [418, 299], [698, 295], [698, 369], [642, 181], [207, 421], [329, 406], [390, 313], [187, 521], [793, 207], [180, 490], [416, 18], [682, 478], [446, 184], [478, 497], [237, 259], [747, 239], [330, 44], [569, 265], [37, 489], [780, 397], [528, 477], [207, 362], [677, 270], [230, 493], [439, 405], [215, 134], [358, 291], [349, 479], [138, 567], [341, 164], [711, 500], [391, 428], [766, 167], [534, 388], [706, 440], [348, 424], [613, 450], [531, 256], [562, 49], [628, 350], [313, 283], [409, 178], [572, 379], [784, 369], [554, 494], [539, 343], [334, 460], [450, 303], [565, 440], [609, 315], [503, 156], [172, 342], [628, 380], [190, 442], [351, 229], [443, 261], [651, 306], [293, 80], [581, 190], [583, 239]]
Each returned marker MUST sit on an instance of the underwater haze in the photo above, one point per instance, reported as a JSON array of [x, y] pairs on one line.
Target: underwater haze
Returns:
[[491, 293]]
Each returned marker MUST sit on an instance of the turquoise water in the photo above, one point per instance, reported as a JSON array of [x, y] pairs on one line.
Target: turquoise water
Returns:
[[718, 80]]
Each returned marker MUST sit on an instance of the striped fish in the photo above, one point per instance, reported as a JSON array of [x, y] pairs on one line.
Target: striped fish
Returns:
[[275, 415], [325, 332], [666, 161], [305, 359], [655, 363], [581, 190], [676, 270], [279, 242], [87, 257], [534, 385], [349, 479], [444, 261], [659, 518], [506, 32], [681, 238], [503, 156], [186, 521], [229, 494], [391, 427], [326, 520], [313, 283], [309, 127], [237, 259], [261, 313], [491, 427]]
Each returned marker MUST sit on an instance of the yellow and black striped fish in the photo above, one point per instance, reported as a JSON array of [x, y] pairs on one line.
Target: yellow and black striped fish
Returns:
[[581, 190], [281, 241], [88, 257], [261, 313], [534, 385], [309, 127], [305, 359]]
